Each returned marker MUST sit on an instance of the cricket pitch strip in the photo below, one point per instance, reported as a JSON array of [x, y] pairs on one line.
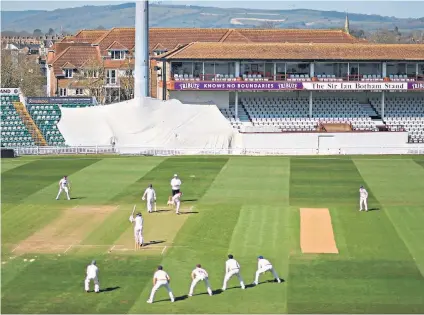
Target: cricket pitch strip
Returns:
[[316, 232], [68, 230]]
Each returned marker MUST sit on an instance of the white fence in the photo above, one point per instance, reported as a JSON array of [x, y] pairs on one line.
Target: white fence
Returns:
[[250, 152]]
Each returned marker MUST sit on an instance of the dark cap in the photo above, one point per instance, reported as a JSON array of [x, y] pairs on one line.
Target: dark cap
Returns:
[[230, 256], [160, 267]]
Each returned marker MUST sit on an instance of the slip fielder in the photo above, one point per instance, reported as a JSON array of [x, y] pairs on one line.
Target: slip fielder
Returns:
[[160, 278], [264, 265], [150, 195], [232, 268], [92, 273], [363, 197], [63, 186], [199, 274]]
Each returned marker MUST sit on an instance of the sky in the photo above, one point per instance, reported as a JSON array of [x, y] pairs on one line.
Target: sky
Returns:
[[401, 9]]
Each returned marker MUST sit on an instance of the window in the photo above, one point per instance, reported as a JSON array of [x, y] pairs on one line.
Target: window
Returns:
[[62, 92], [68, 73], [117, 54], [111, 77], [79, 92], [91, 73], [129, 73]]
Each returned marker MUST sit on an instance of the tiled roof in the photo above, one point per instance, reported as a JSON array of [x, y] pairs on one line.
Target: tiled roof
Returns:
[[296, 36], [68, 65], [234, 36], [87, 36], [169, 38], [123, 36], [76, 55], [291, 51], [117, 46], [119, 64]]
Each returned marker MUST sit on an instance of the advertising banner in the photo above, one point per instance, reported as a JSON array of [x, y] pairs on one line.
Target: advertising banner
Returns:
[[288, 86], [59, 100], [238, 86], [9, 91]]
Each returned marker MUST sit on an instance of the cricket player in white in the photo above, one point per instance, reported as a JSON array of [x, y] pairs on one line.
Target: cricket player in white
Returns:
[[176, 200], [199, 274], [92, 274], [175, 185], [138, 228], [160, 278], [264, 265], [363, 196], [150, 195], [232, 268], [63, 186]]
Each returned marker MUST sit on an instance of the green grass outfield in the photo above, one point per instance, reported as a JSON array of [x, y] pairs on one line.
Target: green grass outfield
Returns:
[[247, 206]]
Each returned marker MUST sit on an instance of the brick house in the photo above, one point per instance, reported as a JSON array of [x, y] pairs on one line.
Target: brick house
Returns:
[[101, 62]]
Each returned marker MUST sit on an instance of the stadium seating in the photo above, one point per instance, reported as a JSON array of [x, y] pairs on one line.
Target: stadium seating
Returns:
[[404, 113], [14, 133], [291, 114], [47, 116]]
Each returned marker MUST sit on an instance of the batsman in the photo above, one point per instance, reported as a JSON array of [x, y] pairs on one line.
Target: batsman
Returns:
[[138, 228]]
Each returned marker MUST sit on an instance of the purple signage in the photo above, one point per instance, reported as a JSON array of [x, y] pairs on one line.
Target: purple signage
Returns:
[[415, 85], [289, 86], [236, 85]]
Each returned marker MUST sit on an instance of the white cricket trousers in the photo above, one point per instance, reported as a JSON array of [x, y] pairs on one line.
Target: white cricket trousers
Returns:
[[363, 201], [265, 269], [138, 235], [196, 281], [177, 204], [150, 203], [228, 275], [66, 190], [156, 287], [96, 284]]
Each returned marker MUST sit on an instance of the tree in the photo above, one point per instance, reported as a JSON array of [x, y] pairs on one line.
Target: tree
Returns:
[[92, 75], [358, 33], [51, 31], [126, 81], [37, 32], [384, 37], [268, 25], [100, 27], [21, 70]]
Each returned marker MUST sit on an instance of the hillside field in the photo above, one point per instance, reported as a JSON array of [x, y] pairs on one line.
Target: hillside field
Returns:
[[246, 206]]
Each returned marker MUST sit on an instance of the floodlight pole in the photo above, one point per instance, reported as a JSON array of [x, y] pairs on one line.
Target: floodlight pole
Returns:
[[142, 62]]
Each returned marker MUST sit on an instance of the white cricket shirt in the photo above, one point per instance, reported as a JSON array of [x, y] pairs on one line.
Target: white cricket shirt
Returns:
[[263, 263], [363, 193], [200, 273], [175, 183], [92, 271], [150, 193], [231, 264], [63, 183], [161, 275]]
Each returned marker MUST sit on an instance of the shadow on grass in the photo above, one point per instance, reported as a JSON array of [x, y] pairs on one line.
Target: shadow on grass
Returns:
[[109, 289], [77, 198], [162, 210], [153, 243], [188, 212], [188, 200]]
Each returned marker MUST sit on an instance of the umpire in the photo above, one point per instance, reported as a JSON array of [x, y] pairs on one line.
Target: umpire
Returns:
[[175, 185]]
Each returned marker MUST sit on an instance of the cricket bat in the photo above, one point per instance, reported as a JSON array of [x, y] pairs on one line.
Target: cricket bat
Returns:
[[133, 210], [155, 206]]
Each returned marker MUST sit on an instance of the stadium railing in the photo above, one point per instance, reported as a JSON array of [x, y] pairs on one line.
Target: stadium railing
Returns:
[[148, 151]]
